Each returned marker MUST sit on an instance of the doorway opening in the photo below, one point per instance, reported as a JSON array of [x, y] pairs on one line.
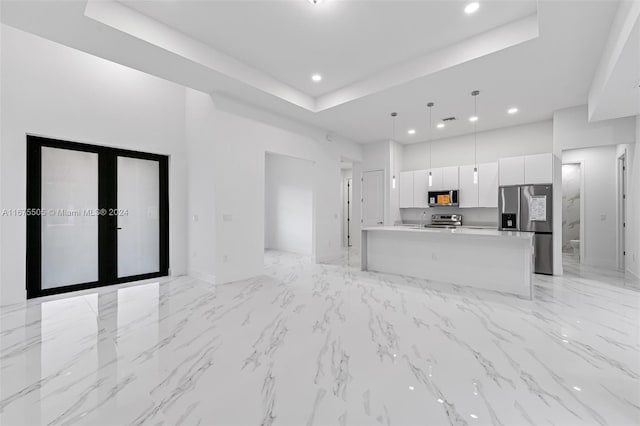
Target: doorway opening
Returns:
[[622, 211], [100, 216], [288, 210], [572, 212]]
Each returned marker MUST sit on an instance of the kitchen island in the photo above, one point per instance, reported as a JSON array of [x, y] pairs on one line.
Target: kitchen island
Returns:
[[483, 258]]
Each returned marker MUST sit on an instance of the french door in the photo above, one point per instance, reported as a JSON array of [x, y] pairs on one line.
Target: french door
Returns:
[[95, 216]]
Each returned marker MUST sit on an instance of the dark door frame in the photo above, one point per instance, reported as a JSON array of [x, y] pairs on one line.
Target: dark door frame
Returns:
[[107, 224]]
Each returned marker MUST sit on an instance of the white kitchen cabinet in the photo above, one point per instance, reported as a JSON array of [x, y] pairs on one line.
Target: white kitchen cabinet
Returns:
[[538, 168], [512, 171], [420, 188], [488, 181], [437, 183], [406, 190], [450, 178], [468, 195]]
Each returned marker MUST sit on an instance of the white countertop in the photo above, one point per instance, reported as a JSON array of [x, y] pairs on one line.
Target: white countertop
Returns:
[[463, 231]]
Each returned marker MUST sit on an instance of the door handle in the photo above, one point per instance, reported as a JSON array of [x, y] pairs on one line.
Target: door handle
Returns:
[[380, 223], [118, 228]]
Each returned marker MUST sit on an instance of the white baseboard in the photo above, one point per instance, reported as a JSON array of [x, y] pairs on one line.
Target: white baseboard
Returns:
[[633, 274], [209, 278], [600, 263]]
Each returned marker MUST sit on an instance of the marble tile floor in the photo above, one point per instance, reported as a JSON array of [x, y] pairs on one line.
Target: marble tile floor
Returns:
[[314, 344]]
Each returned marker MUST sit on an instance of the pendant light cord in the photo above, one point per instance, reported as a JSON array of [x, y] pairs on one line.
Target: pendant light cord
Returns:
[[430, 106], [475, 131]]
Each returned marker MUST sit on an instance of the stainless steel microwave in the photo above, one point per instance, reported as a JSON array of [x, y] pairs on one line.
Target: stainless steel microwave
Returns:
[[443, 198]]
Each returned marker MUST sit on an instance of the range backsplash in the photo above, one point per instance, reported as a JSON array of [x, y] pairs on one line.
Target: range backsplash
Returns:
[[470, 217]]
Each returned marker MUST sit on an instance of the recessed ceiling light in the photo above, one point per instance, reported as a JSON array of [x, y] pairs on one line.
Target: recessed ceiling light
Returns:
[[512, 110], [473, 118], [315, 2], [472, 8], [316, 77], [412, 131], [440, 126]]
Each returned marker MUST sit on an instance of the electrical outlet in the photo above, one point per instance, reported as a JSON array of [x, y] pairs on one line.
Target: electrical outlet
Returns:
[[434, 256], [225, 258]]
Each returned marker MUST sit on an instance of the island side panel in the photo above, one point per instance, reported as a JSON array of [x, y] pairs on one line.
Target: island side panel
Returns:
[[489, 262]]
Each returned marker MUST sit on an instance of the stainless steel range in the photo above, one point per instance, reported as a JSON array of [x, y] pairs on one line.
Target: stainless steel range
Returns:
[[445, 221]]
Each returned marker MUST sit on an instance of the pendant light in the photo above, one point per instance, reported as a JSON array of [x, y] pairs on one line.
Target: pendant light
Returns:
[[475, 94], [393, 137], [430, 106]]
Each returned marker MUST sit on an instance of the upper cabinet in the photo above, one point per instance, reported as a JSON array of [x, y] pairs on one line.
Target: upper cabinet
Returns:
[[468, 196], [525, 170], [511, 171], [481, 194], [488, 185], [444, 178], [538, 169], [413, 189], [406, 189], [420, 188], [437, 183], [450, 178], [414, 186]]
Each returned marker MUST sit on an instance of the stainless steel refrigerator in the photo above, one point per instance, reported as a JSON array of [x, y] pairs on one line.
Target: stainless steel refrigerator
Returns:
[[529, 208]]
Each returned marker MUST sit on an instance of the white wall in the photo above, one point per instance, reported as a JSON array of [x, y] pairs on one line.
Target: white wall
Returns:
[[226, 151], [55, 91], [600, 209], [571, 130], [633, 205], [288, 204], [397, 160], [536, 138], [377, 156]]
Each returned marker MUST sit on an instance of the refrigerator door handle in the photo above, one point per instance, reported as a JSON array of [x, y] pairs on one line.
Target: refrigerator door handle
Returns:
[[519, 216]]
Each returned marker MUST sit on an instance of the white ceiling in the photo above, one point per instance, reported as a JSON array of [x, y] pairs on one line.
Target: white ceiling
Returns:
[[549, 72], [615, 91], [344, 41]]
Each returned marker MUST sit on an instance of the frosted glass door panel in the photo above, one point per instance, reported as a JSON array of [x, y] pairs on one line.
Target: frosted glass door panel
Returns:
[[69, 230], [138, 220]]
